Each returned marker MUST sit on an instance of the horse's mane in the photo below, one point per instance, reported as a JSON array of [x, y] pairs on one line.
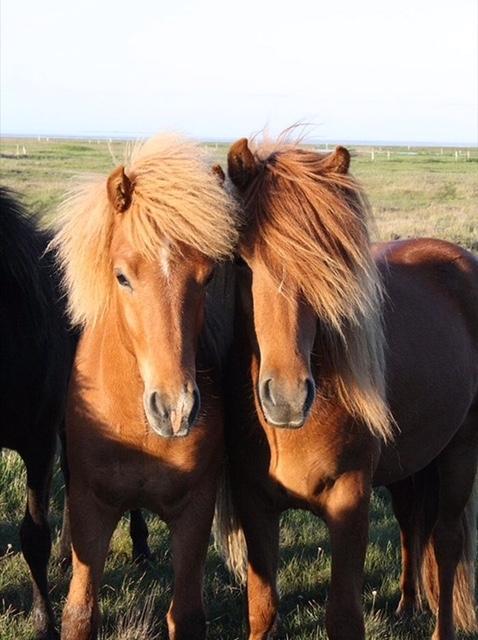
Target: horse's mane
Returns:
[[21, 261], [176, 199], [310, 228]]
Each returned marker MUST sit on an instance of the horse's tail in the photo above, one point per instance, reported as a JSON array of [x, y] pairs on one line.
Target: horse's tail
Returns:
[[228, 535], [464, 586]]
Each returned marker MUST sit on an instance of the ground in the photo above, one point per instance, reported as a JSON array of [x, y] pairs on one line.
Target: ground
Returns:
[[413, 192]]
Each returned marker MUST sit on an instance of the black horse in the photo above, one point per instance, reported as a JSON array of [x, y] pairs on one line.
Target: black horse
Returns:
[[35, 360]]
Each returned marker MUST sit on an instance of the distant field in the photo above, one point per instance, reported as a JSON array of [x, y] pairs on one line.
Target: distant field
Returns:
[[413, 192], [424, 191]]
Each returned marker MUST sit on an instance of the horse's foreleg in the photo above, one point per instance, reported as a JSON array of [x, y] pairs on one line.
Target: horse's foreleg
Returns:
[[347, 512], [190, 537], [92, 525], [261, 530], [138, 530], [36, 542]]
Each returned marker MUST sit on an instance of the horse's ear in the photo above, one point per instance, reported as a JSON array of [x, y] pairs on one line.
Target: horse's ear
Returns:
[[241, 164], [217, 172], [336, 162], [120, 189]]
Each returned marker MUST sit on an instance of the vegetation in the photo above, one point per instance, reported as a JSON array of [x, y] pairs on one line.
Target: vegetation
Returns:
[[414, 192]]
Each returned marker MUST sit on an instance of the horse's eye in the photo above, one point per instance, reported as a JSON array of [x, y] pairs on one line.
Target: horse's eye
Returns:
[[123, 280]]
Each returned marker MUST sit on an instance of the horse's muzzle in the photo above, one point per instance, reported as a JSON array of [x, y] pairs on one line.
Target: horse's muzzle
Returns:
[[172, 419], [284, 406]]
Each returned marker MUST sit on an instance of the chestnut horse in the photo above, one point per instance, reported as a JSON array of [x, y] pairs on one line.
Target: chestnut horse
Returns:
[[138, 250], [34, 366], [311, 428]]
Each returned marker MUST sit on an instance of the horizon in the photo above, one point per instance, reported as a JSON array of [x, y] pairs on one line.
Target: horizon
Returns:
[[45, 137]]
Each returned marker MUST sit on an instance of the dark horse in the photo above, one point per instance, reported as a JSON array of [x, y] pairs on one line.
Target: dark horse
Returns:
[[308, 424], [33, 377]]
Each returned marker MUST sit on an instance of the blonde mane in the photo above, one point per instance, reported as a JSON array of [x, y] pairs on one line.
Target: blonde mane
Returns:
[[310, 228], [176, 200]]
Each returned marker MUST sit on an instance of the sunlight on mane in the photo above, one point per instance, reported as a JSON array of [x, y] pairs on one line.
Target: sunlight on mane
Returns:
[[175, 198]]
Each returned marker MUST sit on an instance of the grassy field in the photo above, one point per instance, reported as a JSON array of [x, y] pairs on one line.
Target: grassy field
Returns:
[[413, 192]]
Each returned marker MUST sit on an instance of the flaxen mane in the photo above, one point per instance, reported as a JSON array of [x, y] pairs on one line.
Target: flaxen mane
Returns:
[[309, 226], [176, 199]]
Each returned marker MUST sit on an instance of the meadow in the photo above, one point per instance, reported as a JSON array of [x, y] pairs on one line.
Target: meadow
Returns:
[[413, 192]]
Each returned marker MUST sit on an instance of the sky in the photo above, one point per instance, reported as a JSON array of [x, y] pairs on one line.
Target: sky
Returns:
[[369, 70]]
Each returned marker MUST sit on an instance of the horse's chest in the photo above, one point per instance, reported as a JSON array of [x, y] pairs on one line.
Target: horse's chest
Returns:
[[300, 466], [142, 483], [134, 468]]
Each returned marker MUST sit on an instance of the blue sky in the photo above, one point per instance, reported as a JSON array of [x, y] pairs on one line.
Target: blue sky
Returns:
[[369, 70]]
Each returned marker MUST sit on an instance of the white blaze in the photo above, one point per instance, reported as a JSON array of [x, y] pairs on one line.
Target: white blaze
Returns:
[[164, 255]]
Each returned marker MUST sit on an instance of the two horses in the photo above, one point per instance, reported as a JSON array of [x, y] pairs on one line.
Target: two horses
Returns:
[[359, 368], [356, 366]]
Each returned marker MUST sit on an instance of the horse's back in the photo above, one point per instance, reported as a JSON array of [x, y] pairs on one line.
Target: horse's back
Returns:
[[431, 325]]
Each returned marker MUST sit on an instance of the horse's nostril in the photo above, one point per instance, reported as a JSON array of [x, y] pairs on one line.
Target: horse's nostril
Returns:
[[310, 394], [195, 408], [266, 393], [156, 407]]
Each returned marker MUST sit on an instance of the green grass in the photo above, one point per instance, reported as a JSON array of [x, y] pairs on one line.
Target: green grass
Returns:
[[135, 599], [422, 194]]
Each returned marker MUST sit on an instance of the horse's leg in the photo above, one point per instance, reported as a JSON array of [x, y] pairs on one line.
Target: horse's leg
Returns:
[[36, 539], [403, 507], [190, 537], [138, 530], [92, 525], [261, 531], [457, 466], [347, 513], [65, 535]]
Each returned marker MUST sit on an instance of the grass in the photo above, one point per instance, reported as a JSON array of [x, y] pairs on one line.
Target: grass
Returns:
[[415, 192]]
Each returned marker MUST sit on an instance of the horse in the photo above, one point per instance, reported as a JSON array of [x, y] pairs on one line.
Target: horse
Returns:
[[35, 348], [144, 259], [357, 366]]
